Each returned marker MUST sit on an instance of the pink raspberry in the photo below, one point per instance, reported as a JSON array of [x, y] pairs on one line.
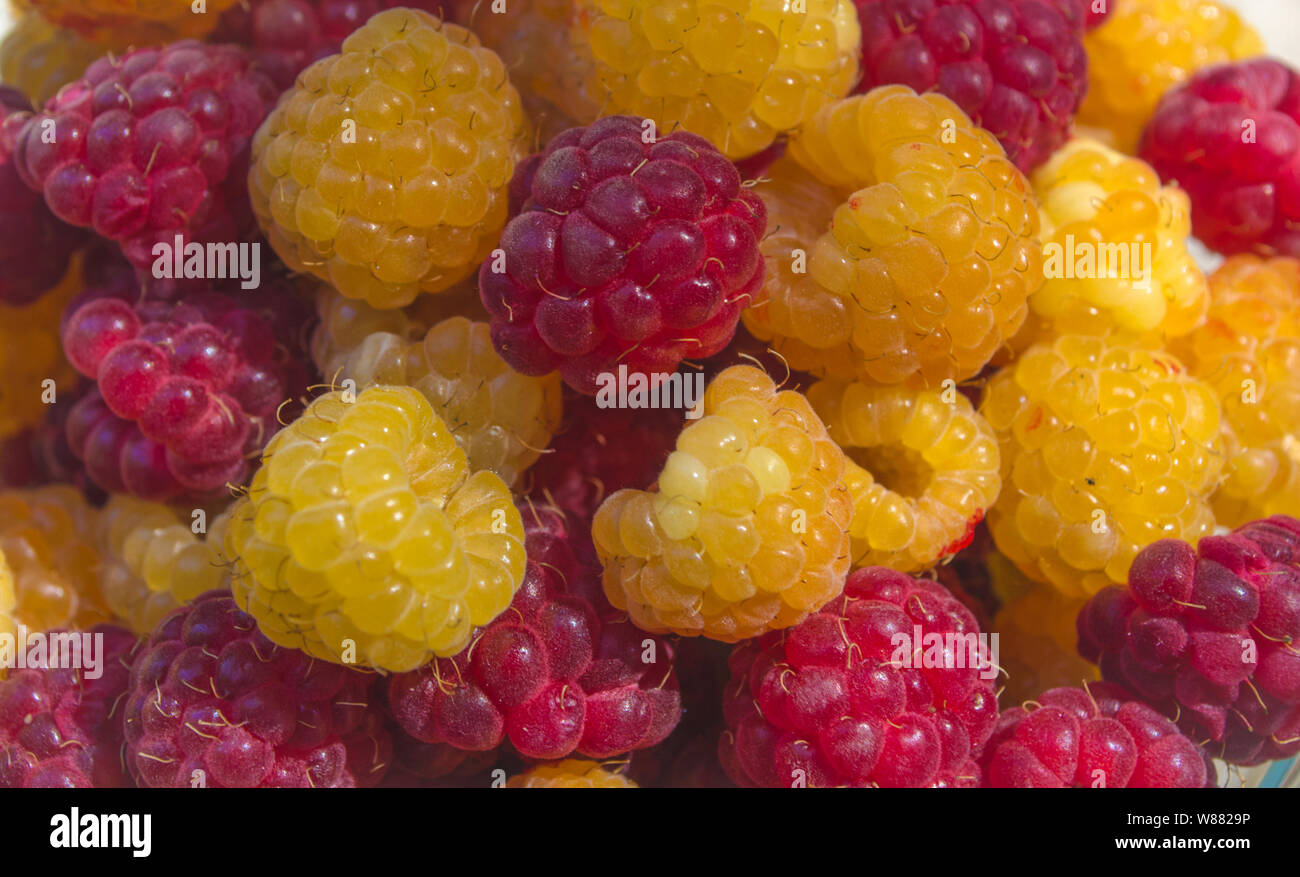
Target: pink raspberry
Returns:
[[627, 252], [831, 702], [209, 693], [1092, 737], [1230, 136], [559, 672], [151, 144], [61, 729], [186, 392], [1016, 67], [1206, 635]]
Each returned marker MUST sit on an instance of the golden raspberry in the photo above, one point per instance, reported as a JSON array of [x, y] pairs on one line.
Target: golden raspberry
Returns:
[[31, 353], [747, 529], [154, 562], [366, 538], [133, 22], [924, 269], [1248, 351], [922, 469], [736, 73], [8, 601], [1148, 46], [1106, 447], [501, 419], [572, 773], [384, 169], [38, 57], [44, 536]]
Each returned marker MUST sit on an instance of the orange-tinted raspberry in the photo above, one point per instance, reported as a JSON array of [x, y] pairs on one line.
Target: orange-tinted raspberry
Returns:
[[747, 529], [137, 22], [572, 773], [31, 353]]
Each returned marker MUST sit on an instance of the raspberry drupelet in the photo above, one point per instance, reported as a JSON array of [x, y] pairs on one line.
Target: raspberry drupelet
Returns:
[[629, 251], [384, 169], [747, 528], [366, 537]]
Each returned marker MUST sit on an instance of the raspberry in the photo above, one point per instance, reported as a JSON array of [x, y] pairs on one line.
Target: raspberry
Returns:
[[40, 454], [832, 703], [30, 353], [8, 602], [1204, 634], [59, 728], [386, 184], [366, 538], [35, 248], [186, 391], [151, 145], [43, 537], [927, 266], [140, 22], [435, 765], [1017, 68], [1247, 351], [922, 470], [737, 75], [561, 672], [1106, 447], [747, 530], [501, 419], [153, 561], [1148, 46], [1091, 737], [572, 773], [599, 451], [38, 57], [212, 701], [1114, 249], [1230, 136], [627, 252]]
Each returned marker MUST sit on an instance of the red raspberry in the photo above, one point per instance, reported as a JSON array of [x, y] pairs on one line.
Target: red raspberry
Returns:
[[186, 391], [151, 144], [627, 252], [1230, 136], [1016, 67], [1092, 737], [831, 698], [560, 672], [61, 729], [41, 455], [601, 450], [34, 246], [214, 701], [1205, 635], [436, 765]]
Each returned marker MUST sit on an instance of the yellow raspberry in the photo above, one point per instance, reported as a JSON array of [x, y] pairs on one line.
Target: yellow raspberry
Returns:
[[1115, 252], [366, 537], [1248, 351], [737, 73], [384, 169], [922, 470], [137, 22], [572, 773], [45, 537], [8, 602], [154, 562], [1106, 448], [747, 528], [31, 352], [1148, 46], [501, 419], [38, 57], [923, 270]]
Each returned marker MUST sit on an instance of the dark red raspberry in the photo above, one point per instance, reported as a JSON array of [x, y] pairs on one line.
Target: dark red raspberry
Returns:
[[436, 765], [601, 450], [831, 703], [1230, 136], [214, 702], [559, 672], [34, 246], [627, 252], [1093, 737], [1207, 635], [41, 454], [1016, 67], [151, 144], [61, 729]]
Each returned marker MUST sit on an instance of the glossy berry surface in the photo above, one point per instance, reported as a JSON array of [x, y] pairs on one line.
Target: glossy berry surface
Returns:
[[366, 538], [572, 773], [746, 529], [851, 698], [213, 704], [629, 251]]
